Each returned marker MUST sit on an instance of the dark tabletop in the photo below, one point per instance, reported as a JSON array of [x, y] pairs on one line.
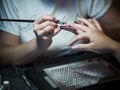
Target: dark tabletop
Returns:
[[35, 75]]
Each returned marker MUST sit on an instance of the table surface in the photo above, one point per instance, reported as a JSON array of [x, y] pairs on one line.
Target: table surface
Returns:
[[35, 74]]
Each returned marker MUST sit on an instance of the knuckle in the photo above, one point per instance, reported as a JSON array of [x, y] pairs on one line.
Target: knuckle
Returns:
[[50, 27], [49, 22], [35, 29], [42, 17]]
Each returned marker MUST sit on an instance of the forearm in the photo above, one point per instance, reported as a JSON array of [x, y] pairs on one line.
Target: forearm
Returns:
[[112, 32], [20, 54]]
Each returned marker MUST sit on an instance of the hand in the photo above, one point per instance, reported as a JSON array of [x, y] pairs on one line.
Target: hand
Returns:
[[92, 31], [45, 28], [74, 27]]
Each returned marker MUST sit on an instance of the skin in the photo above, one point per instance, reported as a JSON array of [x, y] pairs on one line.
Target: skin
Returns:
[[17, 54], [110, 23], [98, 41], [12, 52]]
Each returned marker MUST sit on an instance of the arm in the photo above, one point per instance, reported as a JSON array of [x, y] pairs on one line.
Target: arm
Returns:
[[12, 52], [15, 53], [111, 23], [98, 41]]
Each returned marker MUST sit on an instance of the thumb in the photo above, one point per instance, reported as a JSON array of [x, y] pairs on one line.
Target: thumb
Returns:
[[77, 38], [82, 47]]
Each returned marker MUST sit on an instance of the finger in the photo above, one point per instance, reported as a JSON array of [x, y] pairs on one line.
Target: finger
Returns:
[[84, 28], [45, 24], [74, 28], [77, 38], [91, 20], [73, 25], [64, 26], [44, 18], [56, 31], [78, 27], [97, 24], [85, 22], [78, 22], [46, 31], [68, 27]]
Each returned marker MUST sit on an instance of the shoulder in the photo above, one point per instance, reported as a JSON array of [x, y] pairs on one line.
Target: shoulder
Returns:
[[97, 8]]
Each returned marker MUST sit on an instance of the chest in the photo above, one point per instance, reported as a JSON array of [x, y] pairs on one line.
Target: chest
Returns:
[[60, 9], [33, 9]]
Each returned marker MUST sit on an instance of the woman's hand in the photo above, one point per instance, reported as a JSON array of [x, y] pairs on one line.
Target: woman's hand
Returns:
[[92, 31], [74, 27], [45, 28]]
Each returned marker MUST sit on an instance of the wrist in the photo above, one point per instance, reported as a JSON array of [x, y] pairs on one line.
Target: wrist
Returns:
[[115, 50], [33, 46]]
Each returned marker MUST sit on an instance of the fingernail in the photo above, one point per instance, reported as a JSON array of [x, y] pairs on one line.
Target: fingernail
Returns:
[[61, 22], [62, 27], [71, 27], [56, 19], [75, 22], [74, 47]]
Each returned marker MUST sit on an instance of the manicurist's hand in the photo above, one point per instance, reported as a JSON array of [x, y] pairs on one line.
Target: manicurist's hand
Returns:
[[45, 28]]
